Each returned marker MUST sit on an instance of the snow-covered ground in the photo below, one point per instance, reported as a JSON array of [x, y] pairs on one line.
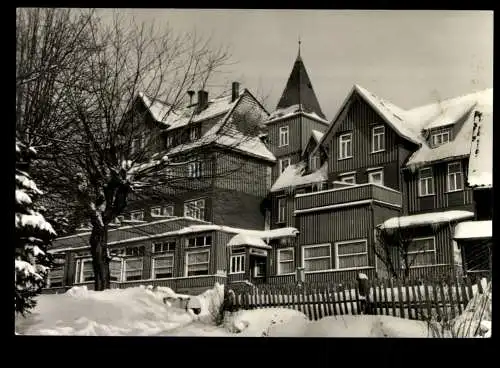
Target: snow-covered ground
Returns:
[[141, 311]]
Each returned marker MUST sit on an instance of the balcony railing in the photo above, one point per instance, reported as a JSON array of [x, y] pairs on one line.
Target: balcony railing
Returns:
[[340, 197]]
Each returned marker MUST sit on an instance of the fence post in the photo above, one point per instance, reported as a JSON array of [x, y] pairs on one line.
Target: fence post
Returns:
[[364, 293]]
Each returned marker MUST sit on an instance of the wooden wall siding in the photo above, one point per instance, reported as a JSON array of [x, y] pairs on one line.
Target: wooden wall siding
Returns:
[[248, 115], [69, 269], [359, 120], [441, 199], [328, 277], [352, 194], [290, 203], [272, 259], [243, 174], [147, 260], [233, 208], [221, 251], [189, 284], [307, 126], [294, 136]]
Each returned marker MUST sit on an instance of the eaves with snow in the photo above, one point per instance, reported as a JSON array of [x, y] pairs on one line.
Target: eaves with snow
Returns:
[[473, 230], [481, 156], [294, 110], [423, 219], [293, 176]]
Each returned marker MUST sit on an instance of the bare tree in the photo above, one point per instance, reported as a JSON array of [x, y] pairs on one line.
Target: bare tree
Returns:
[[101, 145]]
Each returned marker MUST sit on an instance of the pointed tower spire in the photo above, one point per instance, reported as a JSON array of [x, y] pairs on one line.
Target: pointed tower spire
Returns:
[[299, 90]]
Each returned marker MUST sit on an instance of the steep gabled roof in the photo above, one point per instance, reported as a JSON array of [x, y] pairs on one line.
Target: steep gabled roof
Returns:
[[299, 91]]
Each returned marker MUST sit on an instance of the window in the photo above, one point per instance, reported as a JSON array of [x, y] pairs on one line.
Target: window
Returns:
[[166, 246], [137, 215], [115, 270], [170, 141], [376, 177], [259, 269], [138, 143], [193, 133], [422, 252], [284, 163], [163, 267], [455, 181], [84, 270], [281, 209], [440, 138], [237, 264], [199, 241], [197, 263], [283, 136], [426, 182], [195, 169], [162, 211], [348, 178], [378, 139], [345, 146], [133, 251], [133, 269], [316, 257], [56, 276], [352, 254], [286, 262], [195, 209], [314, 162]]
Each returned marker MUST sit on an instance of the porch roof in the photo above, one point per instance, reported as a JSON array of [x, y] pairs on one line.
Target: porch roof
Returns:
[[473, 230], [421, 219], [248, 239]]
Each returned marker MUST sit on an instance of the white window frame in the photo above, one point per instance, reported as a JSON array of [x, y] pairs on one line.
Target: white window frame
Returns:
[[279, 261], [375, 172], [241, 264], [134, 213], [162, 243], [124, 267], [79, 264], [378, 139], [193, 134], [337, 255], [153, 264], [458, 182], [420, 180], [304, 247], [204, 236], [120, 277], [186, 265], [288, 160], [195, 169], [314, 162], [348, 176], [199, 210], [343, 141], [282, 215], [155, 211], [284, 138], [442, 134], [425, 251]]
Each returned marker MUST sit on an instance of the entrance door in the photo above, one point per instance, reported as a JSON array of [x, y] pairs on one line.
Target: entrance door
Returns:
[[258, 265]]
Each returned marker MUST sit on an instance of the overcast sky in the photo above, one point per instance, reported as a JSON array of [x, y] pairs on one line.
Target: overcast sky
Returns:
[[408, 57]]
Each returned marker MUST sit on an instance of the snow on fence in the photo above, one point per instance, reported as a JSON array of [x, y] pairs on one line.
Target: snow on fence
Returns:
[[443, 300]]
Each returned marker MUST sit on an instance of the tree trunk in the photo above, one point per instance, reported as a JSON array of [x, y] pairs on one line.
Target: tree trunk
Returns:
[[100, 259]]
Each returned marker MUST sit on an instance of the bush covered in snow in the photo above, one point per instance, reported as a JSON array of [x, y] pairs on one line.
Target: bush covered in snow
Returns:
[[32, 234]]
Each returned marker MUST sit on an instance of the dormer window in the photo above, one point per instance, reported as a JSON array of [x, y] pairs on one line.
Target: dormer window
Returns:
[[440, 138], [170, 141], [284, 163], [193, 134]]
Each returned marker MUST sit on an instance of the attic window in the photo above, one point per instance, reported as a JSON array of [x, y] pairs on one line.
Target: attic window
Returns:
[[314, 162], [440, 138]]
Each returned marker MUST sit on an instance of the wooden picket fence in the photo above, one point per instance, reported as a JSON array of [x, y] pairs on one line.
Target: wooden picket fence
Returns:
[[407, 299]]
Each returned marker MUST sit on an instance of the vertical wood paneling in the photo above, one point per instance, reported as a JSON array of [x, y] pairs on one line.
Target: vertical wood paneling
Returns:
[[294, 136], [307, 125]]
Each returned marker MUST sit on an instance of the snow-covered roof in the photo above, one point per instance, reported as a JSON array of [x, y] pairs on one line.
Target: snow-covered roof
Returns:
[[248, 239], [445, 113], [176, 118], [292, 176], [221, 134], [481, 157], [317, 135], [425, 219], [293, 110], [263, 234], [473, 230]]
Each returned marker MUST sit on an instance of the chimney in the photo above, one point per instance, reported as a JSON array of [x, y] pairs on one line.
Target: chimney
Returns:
[[202, 100], [235, 91], [191, 94]]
